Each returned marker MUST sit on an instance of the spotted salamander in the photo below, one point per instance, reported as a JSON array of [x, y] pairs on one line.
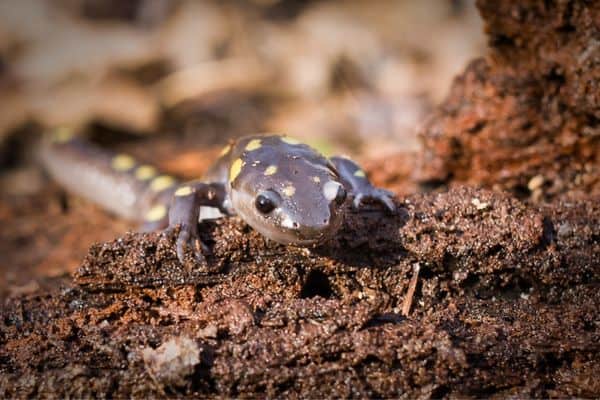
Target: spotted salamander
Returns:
[[282, 188]]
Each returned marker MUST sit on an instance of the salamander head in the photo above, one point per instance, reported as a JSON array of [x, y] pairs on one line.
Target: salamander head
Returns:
[[289, 193]]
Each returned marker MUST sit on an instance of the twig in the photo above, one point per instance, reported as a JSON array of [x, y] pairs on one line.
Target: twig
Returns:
[[407, 303]]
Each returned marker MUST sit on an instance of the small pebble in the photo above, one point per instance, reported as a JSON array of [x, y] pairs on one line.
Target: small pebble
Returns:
[[535, 182], [478, 204]]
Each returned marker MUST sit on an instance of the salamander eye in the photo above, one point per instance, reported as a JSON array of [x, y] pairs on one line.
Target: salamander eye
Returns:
[[266, 202], [340, 196]]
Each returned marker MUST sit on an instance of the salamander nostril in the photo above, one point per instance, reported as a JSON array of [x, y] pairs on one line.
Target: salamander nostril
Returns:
[[295, 225]]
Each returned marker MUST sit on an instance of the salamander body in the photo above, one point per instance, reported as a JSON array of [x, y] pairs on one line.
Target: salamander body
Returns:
[[282, 188]]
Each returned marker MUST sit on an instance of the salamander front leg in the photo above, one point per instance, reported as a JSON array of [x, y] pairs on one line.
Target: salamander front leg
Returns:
[[361, 188], [184, 212]]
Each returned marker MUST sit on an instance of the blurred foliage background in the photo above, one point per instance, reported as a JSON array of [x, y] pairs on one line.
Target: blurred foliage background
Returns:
[[355, 75], [170, 81]]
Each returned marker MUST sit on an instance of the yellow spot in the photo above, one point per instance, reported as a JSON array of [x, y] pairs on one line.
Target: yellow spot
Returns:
[[316, 179], [289, 140], [62, 135], [271, 169], [122, 162], [184, 191], [225, 150], [289, 191], [253, 145], [145, 172], [236, 168], [360, 173], [162, 182], [156, 213]]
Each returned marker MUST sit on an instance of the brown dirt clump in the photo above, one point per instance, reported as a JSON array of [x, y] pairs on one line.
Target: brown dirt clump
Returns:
[[524, 119], [506, 303]]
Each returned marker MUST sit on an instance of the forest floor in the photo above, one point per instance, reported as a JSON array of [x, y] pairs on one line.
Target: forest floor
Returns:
[[484, 284]]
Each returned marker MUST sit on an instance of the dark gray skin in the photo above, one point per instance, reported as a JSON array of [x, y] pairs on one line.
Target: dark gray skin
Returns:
[[284, 189], [305, 190]]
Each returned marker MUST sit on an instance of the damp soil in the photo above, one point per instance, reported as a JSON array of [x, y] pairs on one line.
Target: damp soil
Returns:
[[487, 286], [526, 118], [505, 303]]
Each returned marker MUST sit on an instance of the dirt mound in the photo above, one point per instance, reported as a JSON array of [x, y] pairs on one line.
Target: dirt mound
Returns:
[[524, 119], [506, 300]]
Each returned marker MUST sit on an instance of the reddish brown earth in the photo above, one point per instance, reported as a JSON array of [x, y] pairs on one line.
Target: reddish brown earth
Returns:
[[506, 303], [507, 294], [526, 118]]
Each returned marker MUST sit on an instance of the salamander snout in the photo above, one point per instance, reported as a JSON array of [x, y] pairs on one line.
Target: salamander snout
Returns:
[[298, 221], [312, 228], [302, 218]]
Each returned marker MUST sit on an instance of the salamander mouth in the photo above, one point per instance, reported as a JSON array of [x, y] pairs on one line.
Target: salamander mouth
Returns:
[[299, 235], [312, 236]]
